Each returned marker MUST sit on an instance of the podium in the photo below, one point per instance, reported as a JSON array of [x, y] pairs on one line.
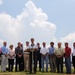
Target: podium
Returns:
[[32, 50], [32, 59]]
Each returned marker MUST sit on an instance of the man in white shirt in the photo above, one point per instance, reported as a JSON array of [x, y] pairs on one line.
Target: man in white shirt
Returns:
[[32, 56], [73, 56], [44, 56], [26, 57]]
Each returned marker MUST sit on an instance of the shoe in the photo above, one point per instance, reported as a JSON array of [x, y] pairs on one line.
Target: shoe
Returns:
[[61, 72], [50, 70], [25, 70], [42, 71], [46, 71], [30, 72], [7, 69], [68, 73], [34, 72], [15, 71], [74, 71], [58, 72]]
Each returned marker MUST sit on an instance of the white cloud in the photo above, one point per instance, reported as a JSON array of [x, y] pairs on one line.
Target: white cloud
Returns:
[[1, 42], [32, 22], [1, 2], [70, 38], [8, 28]]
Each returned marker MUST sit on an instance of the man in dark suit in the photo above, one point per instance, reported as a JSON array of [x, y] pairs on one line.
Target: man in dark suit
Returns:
[[19, 57], [39, 56]]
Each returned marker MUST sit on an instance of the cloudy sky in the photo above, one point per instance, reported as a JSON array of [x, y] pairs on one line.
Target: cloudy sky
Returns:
[[45, 20]]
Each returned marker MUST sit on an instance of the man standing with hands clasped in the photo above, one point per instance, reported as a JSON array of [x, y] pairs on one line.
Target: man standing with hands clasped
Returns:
[[59, 52], [4, 55], [26, 57], [19, 57], [52, 57], [44, 56], [67, 58]]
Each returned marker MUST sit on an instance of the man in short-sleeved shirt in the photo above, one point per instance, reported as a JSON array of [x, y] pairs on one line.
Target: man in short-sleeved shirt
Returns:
[[44, 56]]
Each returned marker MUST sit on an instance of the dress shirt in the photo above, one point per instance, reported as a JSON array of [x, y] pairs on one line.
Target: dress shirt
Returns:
[[67, 52], [44, 50], [32, 46], [12, 53], [27, 47], [4, 50], [38, 52], [51, 50], [59, 51], [73, 52], [19, 50]]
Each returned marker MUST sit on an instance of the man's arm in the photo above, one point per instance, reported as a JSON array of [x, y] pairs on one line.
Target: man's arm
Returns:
[[27, 50]]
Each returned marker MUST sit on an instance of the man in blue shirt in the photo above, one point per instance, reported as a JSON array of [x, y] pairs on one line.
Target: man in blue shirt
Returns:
[[4, 57], [52, 57]]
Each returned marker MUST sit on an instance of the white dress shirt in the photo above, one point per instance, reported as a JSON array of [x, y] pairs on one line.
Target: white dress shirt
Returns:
[[34, 46], [74, 52], [12, 53], [44, 50], [27, 47]]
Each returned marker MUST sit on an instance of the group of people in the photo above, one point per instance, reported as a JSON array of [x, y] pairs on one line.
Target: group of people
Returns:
[[27, 58]]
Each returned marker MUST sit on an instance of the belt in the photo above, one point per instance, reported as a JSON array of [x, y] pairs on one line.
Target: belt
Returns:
[[2, 54], [26, 54]]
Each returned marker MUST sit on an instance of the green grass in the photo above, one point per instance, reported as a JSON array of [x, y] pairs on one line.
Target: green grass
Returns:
[[24, 73], [38, 73]]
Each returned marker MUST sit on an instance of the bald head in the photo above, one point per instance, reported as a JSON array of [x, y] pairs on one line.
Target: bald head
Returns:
[[59, 44]]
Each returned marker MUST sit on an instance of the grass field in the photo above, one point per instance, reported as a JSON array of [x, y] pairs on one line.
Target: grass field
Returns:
[[24, 73], [38, 73]]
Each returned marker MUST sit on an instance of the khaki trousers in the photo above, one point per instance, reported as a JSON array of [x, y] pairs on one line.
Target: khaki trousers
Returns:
[[26, 62], [4, 62], [53, 64]]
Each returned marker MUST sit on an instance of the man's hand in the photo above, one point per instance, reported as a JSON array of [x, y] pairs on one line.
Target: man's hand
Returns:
[[6, 55], [43, 55], [19, 56], [59, 56]]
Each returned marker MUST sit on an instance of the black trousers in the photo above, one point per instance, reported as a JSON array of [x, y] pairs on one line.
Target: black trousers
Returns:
[[73, 61], [32, 64], [10, 64], [20, 62], [38, 59], [59, 63]]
